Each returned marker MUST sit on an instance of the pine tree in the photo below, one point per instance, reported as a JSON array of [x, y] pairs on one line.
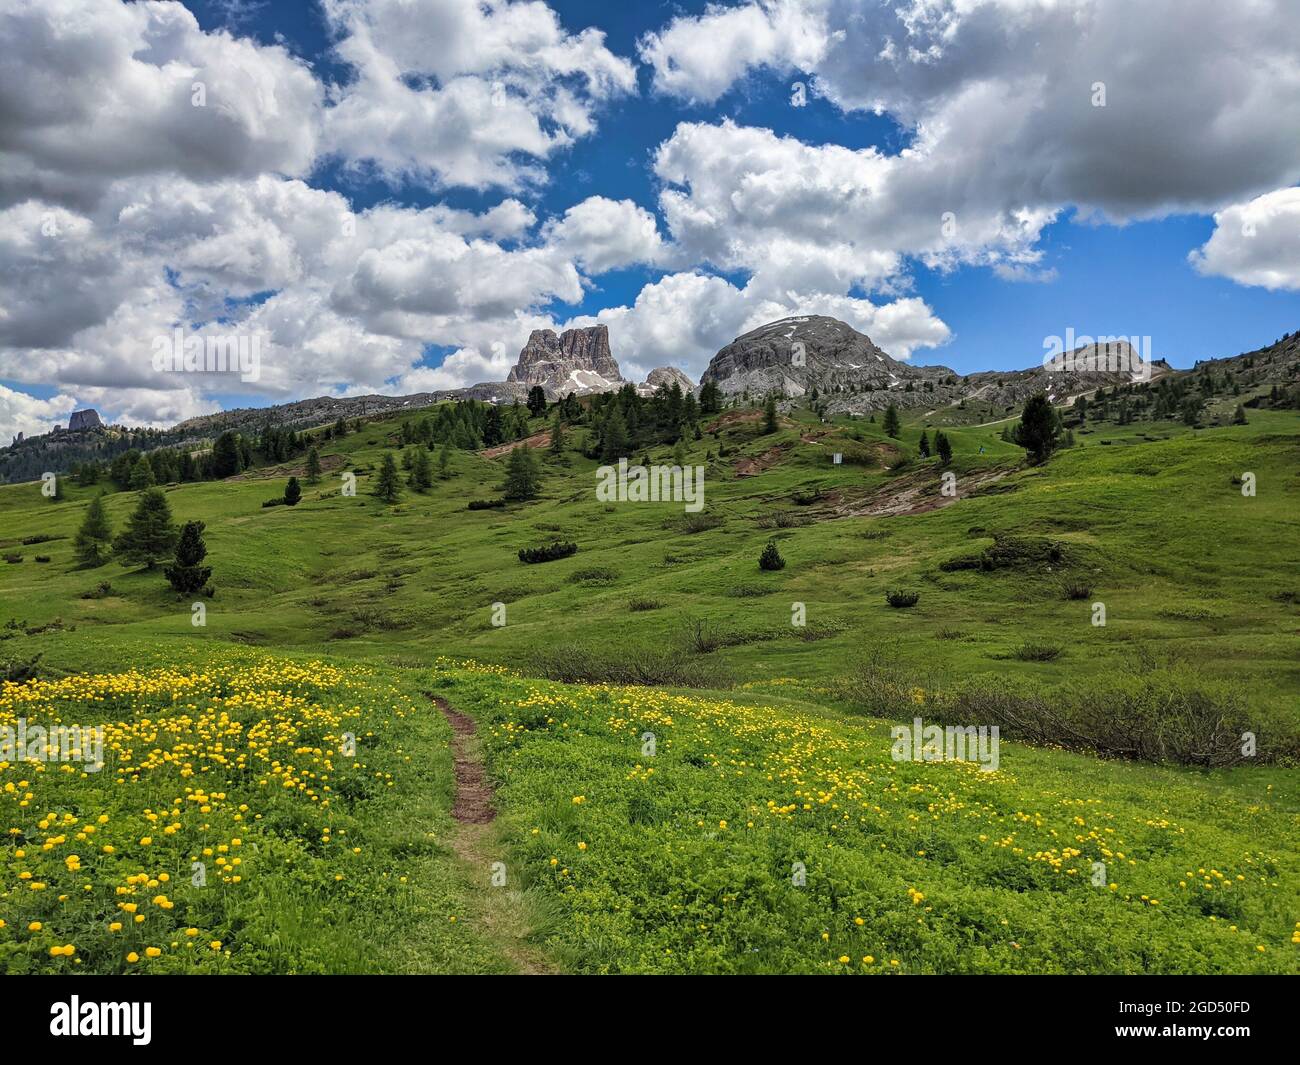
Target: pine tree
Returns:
[[925, 443], [313, 466], [149, 536], [292, 492], [537, 401], [142, 475], [1039, 427], [892, 426], [186, 574], [771, 558], [617, 443], [943, 447], [388, 485], [557, 434], [226, 457], [340, 428], [1239, 415], [444, 461], [769, 415], [523, 476], [679, 454], [421, 477], [93, 542]]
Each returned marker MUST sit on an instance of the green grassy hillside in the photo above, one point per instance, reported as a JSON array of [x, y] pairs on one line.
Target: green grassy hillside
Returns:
[[1201, 598], [1154, 528]]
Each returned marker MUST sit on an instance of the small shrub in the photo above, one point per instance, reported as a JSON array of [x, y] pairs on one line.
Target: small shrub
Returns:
[[782, 519], [748, 591], [703, 636], [1189, 612], [696, 523], [594, 575], [628, 664], [12, 557], [277, 502], [42, 538], [485, 504], [1038, 652], [638, 606], [42, 558], [547, 552], [771, 559], [1077, 590], [101, 591], [897, 598], [17, 670]]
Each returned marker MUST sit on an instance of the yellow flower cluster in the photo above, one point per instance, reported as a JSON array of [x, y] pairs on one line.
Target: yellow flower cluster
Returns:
[[193, 759]]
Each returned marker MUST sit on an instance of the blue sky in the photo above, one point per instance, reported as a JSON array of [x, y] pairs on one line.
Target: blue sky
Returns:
[[658, 178], [1131, 279]]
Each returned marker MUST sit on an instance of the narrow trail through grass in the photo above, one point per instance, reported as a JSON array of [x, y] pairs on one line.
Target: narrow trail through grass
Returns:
[[503, 911]]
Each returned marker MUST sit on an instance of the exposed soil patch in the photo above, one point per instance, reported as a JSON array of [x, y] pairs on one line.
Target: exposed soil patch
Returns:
[[290, 469], [542, 439], [732, 417], [503, 912], [473, 805], [916, 493], [748, 465]]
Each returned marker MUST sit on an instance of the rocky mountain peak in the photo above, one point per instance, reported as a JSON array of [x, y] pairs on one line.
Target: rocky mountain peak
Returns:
[[84, 419], [577, 360], [665, 375], [794, 355]]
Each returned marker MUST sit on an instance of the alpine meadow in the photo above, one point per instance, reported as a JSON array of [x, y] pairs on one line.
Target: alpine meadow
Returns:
[[510, 487]]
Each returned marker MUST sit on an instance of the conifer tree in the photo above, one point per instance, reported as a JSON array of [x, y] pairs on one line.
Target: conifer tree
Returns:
[[617, 443], [150, 535], [187, 575], [227, 459], [1039, 427], [313, 466], [892, 426], [93, 542], [421, 477], [388, 484], [523, 477], [292, 492], [142, 475]]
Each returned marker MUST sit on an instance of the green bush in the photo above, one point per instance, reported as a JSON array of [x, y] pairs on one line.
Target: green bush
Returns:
[[771, 559], [547, 553]]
